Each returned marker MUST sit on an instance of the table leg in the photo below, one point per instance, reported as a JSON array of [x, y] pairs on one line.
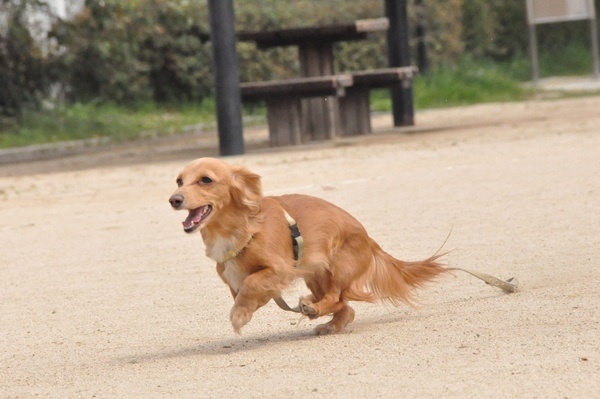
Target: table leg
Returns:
[[283, 117], [355, 111], [320, 116]]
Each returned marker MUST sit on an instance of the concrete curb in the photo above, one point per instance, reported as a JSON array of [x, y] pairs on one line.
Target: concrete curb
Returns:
[[50, 150]]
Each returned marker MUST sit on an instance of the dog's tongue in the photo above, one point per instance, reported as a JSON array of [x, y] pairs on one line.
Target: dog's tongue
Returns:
[[193, 218]]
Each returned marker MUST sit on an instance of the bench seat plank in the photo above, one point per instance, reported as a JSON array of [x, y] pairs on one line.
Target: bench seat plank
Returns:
[[379, 78], [299, 87]]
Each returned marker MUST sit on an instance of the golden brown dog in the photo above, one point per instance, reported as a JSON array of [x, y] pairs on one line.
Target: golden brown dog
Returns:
[[249, 238]]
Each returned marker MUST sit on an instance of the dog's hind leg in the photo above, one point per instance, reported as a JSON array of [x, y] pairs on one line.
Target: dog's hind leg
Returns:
[[340, 320], [330, 303]]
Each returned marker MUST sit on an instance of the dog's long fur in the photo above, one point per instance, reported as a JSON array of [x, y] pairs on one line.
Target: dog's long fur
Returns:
[[249, 238]]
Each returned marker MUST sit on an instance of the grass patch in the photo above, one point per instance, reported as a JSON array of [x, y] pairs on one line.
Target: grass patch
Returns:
[[463, 84], [575, 59], [85, 121], [472, 82]]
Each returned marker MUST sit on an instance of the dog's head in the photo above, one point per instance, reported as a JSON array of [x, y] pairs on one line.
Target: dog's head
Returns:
[[208, 187]]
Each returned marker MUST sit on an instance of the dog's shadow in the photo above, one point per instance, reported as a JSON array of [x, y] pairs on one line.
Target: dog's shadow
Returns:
[[224, 346], [232, 345]]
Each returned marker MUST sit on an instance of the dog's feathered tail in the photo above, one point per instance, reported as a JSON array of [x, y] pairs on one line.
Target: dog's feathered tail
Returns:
[[393, 280]]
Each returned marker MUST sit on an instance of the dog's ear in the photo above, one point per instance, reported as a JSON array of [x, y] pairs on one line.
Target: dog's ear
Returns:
[[246, 189]]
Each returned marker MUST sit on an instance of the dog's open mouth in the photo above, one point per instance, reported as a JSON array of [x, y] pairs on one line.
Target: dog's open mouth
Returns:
[[195, 218]]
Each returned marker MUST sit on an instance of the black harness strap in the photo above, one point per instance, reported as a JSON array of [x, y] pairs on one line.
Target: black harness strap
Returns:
[[297, 239], [295, 236]]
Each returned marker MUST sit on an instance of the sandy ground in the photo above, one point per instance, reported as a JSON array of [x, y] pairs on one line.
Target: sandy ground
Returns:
[[102, 295]]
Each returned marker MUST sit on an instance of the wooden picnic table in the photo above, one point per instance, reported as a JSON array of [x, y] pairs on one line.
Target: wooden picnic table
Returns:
[[321, 116], [315, 43]]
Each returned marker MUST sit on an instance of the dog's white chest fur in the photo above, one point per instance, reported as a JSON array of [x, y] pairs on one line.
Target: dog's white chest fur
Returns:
[[219, 249], [233, 275]]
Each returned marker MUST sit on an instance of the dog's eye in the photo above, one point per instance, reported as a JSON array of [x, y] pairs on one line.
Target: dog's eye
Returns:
[[179, 182], [206, 180]]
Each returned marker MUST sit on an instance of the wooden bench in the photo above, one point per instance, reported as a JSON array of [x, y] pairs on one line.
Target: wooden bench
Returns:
[[355, 112], [283, 99]]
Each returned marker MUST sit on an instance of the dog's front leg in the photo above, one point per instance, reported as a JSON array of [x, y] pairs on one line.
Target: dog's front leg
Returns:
[[220, 271], [256, 291]]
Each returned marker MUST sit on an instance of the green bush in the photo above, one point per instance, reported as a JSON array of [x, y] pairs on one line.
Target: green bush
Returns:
[[444, 27], [101, 58], [135, 52], [24, 70], [174, 48]]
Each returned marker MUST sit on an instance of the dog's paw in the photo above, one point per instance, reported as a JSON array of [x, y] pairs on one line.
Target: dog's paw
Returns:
[[239, 318], [324, 329], [307, 308]]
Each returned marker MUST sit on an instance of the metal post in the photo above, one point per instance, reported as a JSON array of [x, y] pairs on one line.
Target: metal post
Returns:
[[227, 84], [398, 55], [533, 53], [594, 33]]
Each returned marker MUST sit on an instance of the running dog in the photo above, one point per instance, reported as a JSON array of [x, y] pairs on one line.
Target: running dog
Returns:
[[262, 243]]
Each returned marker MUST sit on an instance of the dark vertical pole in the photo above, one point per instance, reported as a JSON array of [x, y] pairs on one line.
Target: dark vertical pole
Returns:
[[398, 55], [227, 84]]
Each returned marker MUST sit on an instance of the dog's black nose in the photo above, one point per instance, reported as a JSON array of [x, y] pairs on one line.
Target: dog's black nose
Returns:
[[176, 200]]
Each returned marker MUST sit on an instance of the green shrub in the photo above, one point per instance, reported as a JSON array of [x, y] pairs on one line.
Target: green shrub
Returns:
[[444, 28], [24, 71], [135, 52]]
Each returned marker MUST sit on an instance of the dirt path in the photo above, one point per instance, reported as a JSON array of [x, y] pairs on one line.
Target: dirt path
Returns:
[[102, 295]]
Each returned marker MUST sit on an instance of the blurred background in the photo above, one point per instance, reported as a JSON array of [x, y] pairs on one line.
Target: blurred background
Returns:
[[75, 69]]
